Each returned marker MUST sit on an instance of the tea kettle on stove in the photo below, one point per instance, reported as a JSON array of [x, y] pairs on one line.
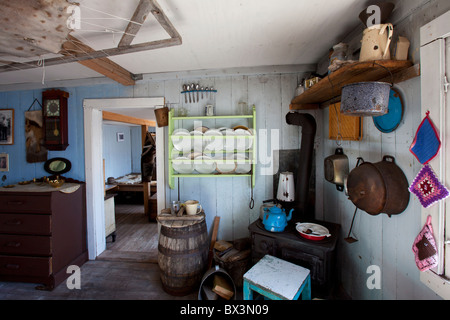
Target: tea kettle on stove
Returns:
[[275, 219]]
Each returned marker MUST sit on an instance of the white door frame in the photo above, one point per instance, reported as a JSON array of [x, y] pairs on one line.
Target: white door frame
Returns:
[[93, 150]]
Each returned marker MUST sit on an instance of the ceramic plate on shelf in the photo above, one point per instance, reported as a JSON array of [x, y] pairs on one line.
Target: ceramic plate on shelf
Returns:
[[225, 129], [201, 129], [213, 140], [204, 167], [183, 165], [193, 155], [229, 141], [242, 165], [197, 143], [243, 143], [182, 141], [225, 164], [181, 130]]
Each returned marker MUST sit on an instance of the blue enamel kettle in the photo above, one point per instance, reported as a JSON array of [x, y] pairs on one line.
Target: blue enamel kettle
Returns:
[[275, 219]]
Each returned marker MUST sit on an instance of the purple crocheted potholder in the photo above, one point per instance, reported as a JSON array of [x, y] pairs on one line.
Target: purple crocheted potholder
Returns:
[[426, 144], [427, 188]]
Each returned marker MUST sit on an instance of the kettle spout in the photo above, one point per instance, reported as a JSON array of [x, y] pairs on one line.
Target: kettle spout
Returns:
[[290, 215]]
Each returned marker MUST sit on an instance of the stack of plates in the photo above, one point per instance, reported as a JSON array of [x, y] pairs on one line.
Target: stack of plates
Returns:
[[243, 143], [242, 166], [183, 165], [213, 141], [225, 165], [204, 167]]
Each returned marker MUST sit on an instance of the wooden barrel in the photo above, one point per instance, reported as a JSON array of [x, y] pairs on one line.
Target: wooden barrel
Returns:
[[182, 255]]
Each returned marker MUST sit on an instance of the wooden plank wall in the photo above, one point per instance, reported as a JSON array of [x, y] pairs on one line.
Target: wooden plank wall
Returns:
[[229, 197], [382, 241]]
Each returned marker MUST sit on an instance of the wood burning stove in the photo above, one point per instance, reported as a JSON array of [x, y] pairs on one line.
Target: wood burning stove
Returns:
[[317, 256]]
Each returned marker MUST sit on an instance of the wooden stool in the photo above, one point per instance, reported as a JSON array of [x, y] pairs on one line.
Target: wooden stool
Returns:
[[277, 279]]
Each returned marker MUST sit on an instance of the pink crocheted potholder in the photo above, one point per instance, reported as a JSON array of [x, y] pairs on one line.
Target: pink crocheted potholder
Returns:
[[424, 248]]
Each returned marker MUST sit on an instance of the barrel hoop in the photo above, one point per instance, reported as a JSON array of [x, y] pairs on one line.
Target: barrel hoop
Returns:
[[178, 234], [177, 253]]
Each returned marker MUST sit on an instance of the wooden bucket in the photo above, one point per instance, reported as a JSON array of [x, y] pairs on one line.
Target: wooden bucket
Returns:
[[182, 255], [162, 117]]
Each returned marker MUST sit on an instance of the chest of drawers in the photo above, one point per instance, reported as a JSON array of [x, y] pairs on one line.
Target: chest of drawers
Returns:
[[41, 234]]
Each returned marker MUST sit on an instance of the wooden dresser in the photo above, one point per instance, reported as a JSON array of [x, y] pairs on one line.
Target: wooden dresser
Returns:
[[42, 232]]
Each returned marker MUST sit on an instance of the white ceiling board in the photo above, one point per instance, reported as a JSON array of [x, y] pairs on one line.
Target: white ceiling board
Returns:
[[216, 34]]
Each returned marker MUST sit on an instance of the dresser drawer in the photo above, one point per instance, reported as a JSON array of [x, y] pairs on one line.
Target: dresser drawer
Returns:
[[25, 266], [29, 203], [33, 224], [25, 245]]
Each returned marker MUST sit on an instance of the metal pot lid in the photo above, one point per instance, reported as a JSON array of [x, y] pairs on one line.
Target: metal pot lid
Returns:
[[390, 121]]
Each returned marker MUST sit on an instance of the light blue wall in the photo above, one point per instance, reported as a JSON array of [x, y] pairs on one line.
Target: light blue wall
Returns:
[[121, 157], [20, 101], [117, 154]]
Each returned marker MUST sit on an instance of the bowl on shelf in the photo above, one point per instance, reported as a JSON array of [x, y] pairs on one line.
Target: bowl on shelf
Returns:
[[56, 183]]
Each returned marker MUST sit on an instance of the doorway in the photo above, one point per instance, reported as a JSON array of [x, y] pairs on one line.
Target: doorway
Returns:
[[93, 133]]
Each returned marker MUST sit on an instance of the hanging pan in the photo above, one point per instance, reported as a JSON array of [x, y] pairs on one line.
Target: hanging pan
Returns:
[[379, 188]]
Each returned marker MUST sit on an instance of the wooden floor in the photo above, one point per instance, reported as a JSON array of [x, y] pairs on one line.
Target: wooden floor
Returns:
[[127, 270], [136, 237]]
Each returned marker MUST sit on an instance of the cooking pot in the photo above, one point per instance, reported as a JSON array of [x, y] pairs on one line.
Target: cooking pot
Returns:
[[336, 168], [275, 219], [365, 99], [379, 188]]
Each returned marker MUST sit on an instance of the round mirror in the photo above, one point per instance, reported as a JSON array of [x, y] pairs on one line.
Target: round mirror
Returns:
[[57, 166]]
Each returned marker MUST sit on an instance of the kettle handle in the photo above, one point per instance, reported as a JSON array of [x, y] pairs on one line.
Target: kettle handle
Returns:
[[390, 29]]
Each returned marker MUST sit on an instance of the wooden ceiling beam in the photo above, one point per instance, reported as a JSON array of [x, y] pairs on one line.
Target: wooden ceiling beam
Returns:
[[103, 66], [139, 16], [161, 17], [152, 45]]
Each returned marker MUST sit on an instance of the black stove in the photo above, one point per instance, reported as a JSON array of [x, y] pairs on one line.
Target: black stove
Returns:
[[317, 256]]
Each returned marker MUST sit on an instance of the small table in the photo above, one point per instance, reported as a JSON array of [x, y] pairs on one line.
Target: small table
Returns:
[[277, 279]]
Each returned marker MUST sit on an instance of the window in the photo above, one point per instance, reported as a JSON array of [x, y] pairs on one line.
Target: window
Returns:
[[435, 66]]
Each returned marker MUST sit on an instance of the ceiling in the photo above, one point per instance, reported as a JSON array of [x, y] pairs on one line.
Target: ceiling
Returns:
[[215, 35]]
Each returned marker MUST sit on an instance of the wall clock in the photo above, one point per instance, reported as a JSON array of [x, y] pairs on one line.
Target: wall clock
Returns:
[[54, 103]]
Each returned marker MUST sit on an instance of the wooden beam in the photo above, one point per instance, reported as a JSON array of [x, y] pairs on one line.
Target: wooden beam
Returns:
[[139, 16], [111, 116], [152, 45], [160, 16], [104, 66]]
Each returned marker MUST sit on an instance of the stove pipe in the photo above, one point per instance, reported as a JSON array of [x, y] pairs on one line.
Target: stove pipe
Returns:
[[309, 128]]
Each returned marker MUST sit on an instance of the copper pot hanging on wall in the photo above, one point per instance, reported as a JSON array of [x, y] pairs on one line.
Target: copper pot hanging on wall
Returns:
[[379, 188]]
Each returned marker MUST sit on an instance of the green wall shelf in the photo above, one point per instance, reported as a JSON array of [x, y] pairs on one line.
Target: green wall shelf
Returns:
[[186, 122]]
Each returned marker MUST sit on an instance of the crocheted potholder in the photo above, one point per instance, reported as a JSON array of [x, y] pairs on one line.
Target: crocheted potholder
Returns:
[[424, 248], [426, 144], [427, 188]]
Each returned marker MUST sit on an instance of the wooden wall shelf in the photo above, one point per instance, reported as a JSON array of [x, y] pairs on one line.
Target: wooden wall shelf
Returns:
[[329, 88]]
